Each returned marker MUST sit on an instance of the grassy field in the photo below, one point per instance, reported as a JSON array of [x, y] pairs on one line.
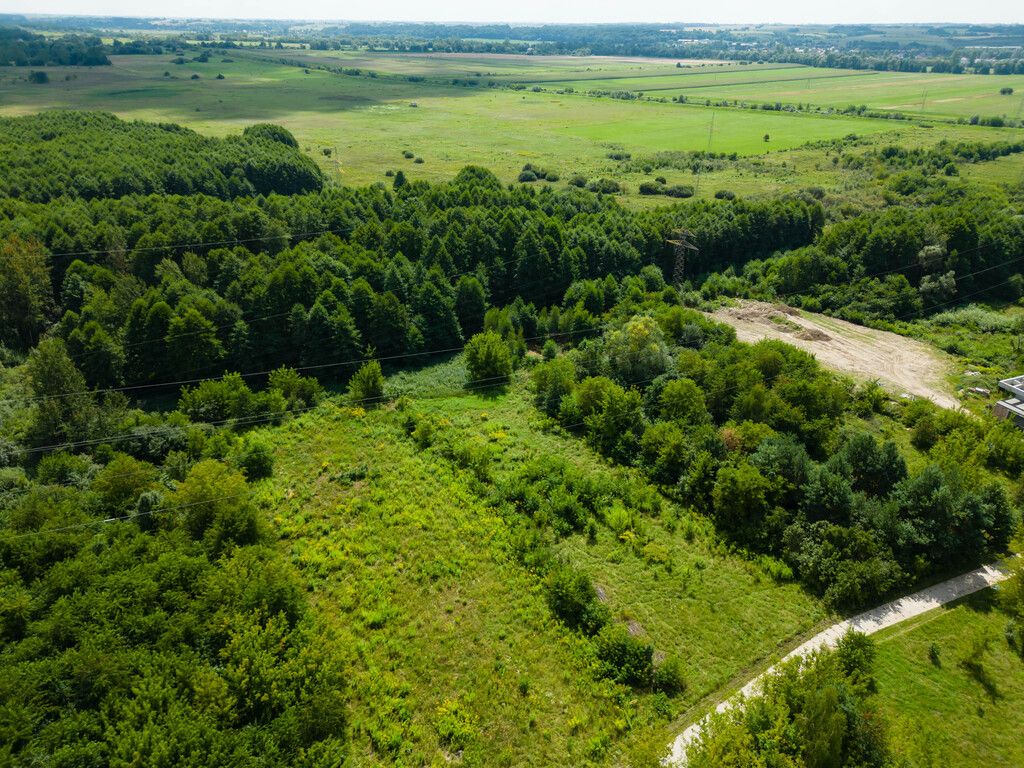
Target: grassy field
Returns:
[[920, 94], [410, 561], [367, 122], [941, 714], [501, 67]]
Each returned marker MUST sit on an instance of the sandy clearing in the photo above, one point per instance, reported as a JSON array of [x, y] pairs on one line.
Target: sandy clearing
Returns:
[[902, 365], [867, 623]]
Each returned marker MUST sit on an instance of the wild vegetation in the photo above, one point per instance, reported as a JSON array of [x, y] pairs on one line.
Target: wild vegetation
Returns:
[[443, 468]]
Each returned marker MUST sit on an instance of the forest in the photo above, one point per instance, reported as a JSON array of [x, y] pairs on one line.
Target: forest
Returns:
[[165, 296], [91, 155], [23, 49]]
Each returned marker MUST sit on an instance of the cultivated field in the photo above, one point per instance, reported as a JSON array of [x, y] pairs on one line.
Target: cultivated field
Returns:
[[367, 122], [502, 67]]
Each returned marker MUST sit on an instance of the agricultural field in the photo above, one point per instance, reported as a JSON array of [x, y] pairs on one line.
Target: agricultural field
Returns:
[[366, 123], [517, 68], [918, 94], [943, 710]]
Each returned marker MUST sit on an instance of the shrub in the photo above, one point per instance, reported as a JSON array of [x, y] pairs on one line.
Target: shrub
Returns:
[[64, 468], [552, 381], [605, 186], [527, 176], [38, 78], [725, 194], [488, 359], [624, 658], [471, 453], [256, 461], [578, 181], [122, 481], [300, 391], [574, 600], [367, 385], [669, 676], [418, 160], [679, 190], [925, 433], [408, 155], [215, 507]]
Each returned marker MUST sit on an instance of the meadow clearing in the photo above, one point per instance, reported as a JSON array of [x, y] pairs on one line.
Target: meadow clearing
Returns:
[[408, 552]]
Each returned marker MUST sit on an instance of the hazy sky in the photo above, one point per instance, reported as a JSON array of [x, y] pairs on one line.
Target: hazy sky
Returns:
[[721, 11]]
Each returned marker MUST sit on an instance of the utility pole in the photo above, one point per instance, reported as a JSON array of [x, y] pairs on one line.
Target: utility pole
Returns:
[[680, 243], [711, 136]]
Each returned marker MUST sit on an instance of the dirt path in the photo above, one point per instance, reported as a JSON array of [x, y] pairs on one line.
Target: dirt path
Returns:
[[867, 623], [900, 364]]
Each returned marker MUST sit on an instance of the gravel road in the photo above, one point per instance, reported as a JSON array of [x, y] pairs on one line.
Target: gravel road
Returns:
[[867, 623]]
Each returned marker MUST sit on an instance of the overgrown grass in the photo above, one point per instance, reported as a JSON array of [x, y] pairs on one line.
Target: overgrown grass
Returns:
[[454, 648]]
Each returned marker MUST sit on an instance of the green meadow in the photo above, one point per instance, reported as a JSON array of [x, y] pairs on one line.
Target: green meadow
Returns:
[[940, 713], [920, 94]]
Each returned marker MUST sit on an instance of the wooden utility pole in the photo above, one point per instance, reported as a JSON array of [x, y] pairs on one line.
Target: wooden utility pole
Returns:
[[680, 243]]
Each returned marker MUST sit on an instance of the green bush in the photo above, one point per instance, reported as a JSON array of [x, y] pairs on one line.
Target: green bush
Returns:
[[256, 461], [623, 657], [670, 676], [574, 600], [366, 387], [488, 360]]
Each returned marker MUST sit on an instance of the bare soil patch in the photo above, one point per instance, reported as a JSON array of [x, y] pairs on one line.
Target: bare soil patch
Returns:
[[904, 366]]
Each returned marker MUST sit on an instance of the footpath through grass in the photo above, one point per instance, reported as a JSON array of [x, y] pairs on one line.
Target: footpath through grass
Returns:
[[454, 650]]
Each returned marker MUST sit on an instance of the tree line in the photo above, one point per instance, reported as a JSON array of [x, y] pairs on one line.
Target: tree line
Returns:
[[21, 48], [313, 280]]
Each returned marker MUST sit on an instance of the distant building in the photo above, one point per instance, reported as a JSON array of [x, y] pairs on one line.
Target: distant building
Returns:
[[1013, 406]]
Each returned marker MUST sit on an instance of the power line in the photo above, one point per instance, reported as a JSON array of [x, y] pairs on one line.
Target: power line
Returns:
[[299, 369], [257, 418], [427, 353], [118, 518]]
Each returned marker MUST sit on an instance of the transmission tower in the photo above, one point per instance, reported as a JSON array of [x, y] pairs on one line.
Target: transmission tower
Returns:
[[680, 243]]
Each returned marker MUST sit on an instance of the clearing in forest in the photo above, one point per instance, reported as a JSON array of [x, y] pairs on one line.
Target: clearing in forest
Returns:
[[903, 365]]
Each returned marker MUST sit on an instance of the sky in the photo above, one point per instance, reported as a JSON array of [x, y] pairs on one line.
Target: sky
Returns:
[[576, 11]]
